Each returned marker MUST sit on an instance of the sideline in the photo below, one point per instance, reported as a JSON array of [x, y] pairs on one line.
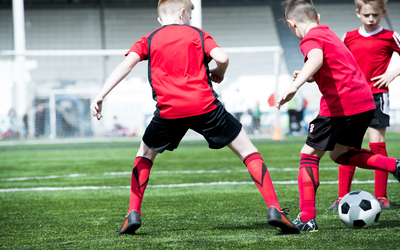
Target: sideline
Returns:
[[153, 172], [124, 142], [292, 182]]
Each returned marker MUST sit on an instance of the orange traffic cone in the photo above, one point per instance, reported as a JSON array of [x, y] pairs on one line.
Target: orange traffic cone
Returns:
[[277, 133]]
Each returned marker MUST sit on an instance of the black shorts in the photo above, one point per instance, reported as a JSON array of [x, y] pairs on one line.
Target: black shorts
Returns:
[[218, 127], [381, 117], [325, 132]]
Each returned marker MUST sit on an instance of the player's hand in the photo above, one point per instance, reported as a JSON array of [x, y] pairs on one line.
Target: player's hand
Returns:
[[287, 96], [383, 81], [96, 107], [217, 75], [297, 72]]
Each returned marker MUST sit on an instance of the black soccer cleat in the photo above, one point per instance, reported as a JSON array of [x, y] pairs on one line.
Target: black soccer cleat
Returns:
[[384, 202], [307, 226], [279, 219], [131, 223], [396, 173], [335, 204]]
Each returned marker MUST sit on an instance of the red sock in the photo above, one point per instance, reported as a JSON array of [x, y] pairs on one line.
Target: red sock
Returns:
[[259, 173], [139, 180], [308, 181], [381, 177], [346, 174], [364, 158]]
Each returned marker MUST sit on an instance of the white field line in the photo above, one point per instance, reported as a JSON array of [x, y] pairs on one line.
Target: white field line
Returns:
[[292, 182], [152, 172], [43, 177]]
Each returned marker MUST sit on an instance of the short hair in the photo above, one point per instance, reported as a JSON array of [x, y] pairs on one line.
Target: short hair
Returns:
[[378, 3], [170, 6], [299, 10]]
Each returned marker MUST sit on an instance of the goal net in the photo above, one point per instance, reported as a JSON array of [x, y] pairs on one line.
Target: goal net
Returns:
[[62, 83]]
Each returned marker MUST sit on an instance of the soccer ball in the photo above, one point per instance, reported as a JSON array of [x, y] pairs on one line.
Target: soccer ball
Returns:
[[359, 209]]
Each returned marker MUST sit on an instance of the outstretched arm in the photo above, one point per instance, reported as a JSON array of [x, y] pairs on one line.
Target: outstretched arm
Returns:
[[312, 65], [383, 81], [119, 73], [222, 61]]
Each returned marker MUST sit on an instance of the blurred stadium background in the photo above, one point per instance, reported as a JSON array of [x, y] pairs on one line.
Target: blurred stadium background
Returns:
[[56, 54]]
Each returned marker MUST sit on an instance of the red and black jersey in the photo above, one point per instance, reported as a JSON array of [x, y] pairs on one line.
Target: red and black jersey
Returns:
[[178, 72], [373, 52], [345, 91]]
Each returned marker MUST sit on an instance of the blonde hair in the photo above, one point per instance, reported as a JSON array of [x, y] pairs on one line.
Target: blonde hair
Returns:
[[299, 10], [377, 3], [170, 6]]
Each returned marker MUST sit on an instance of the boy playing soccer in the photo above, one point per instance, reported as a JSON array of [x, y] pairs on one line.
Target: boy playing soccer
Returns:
[[372, 46], [346, 107], [178, 56]]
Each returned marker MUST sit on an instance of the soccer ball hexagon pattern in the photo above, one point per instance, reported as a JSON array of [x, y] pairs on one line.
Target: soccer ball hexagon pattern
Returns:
[[359, 209]]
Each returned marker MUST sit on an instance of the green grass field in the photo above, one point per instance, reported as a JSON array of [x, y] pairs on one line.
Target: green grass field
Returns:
[[75, 196]]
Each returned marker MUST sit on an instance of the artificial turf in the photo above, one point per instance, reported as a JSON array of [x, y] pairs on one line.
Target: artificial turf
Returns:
[[197, 198]]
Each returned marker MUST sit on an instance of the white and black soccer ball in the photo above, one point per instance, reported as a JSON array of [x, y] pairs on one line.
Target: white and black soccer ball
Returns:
[[359, 209]]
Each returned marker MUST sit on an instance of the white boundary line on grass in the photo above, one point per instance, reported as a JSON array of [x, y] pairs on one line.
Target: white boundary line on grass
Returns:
[[152, 172], [171, 185], [43, 177]]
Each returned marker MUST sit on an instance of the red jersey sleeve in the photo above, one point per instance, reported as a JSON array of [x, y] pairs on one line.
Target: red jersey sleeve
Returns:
[[396, 42], [141, 48], [209, 44], [309, 44]]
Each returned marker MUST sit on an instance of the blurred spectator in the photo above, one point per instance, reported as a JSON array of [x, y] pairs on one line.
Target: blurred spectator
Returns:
[[13, 130], [238, 105], [26, 125], [256, 116], [118, 129], [296, 108], [40, 118]]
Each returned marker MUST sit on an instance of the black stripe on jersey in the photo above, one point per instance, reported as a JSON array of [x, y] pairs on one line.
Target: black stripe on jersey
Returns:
[[205, 59], [149, 61]]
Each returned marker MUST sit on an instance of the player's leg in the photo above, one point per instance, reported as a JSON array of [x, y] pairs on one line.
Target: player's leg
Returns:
[[139, 179], [221, 129], [160, 134], [308, 182], [377, 145], [248, 153], [363, 158], [348, 151], [346, 174], [322, 136], [140, 176]]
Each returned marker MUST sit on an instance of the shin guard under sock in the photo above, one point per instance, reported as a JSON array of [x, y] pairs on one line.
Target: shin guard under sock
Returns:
[[346, 174], [308, 182], [139, 180], [363, 158], [259, 173], [381, 177]]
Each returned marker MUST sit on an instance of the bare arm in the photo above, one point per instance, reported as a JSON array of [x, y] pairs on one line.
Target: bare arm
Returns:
[[313, 64], [118, 74], [222, 61]]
